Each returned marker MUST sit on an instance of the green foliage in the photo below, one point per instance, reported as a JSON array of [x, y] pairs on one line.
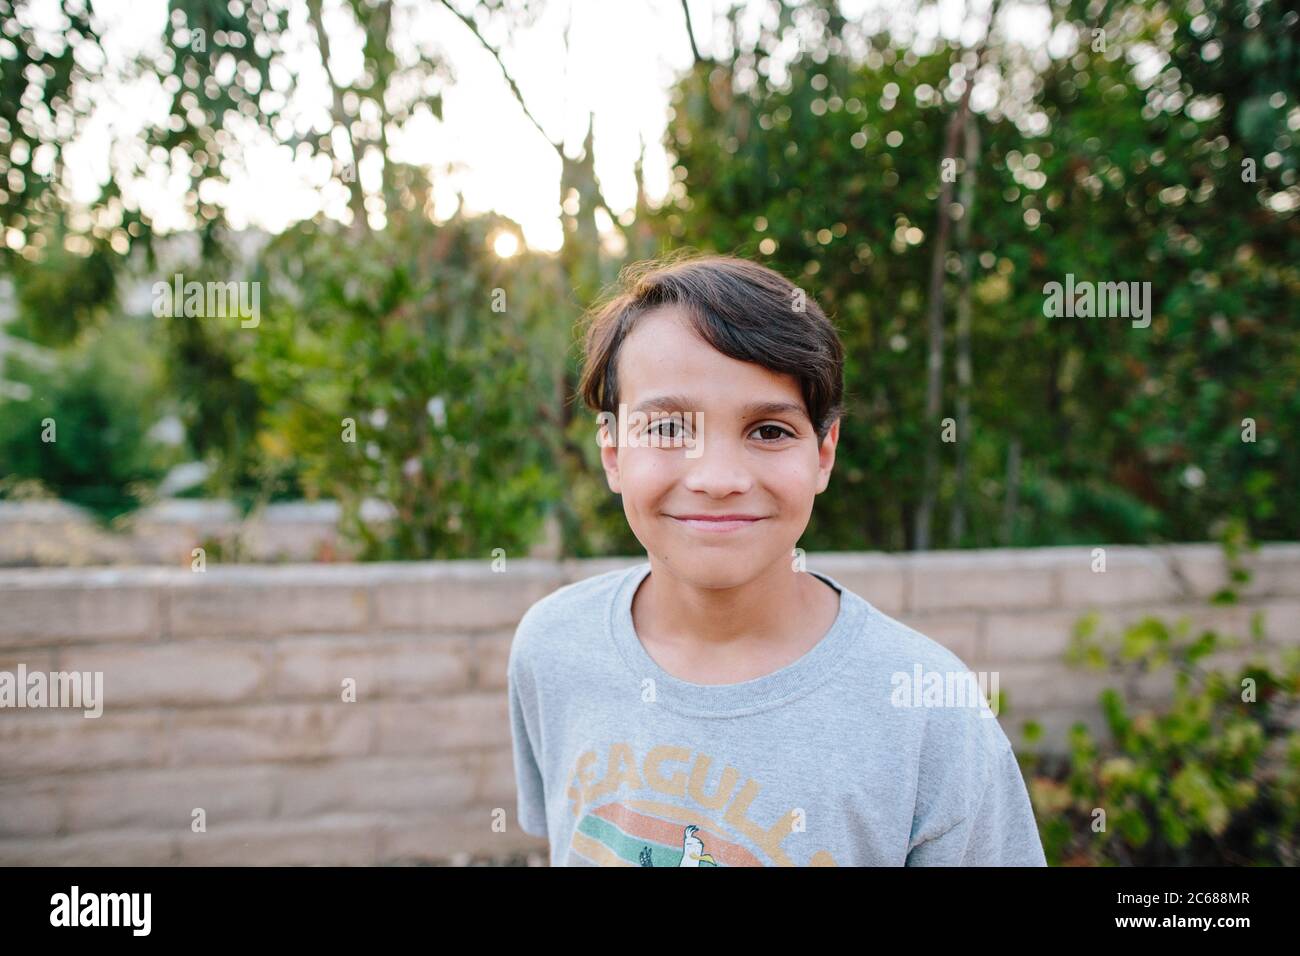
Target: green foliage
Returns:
[[102, 395], [1120, 163], [62, 293], [1213, 778], [221, 412], [1094, 169], [450, 401], [45, 55]]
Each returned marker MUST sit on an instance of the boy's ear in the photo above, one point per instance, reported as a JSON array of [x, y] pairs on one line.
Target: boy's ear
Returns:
[[826, 456], [609, 456]]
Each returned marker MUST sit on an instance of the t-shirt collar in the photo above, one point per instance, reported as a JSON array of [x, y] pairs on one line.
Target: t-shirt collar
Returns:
[[729, 700]]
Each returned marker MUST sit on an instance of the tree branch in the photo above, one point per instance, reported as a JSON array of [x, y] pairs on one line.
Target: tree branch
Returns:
[[356, 200]]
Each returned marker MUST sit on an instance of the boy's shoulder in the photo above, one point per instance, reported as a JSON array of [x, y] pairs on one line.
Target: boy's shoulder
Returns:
[[893, 657], [593, 591], [888, 642], [569, 607]]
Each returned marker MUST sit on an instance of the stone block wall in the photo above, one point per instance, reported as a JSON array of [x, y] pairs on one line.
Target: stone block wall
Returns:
[[224, 691]]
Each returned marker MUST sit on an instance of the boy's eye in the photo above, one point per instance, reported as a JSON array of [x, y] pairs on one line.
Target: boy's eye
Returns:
[[656, 428], [780, 432]]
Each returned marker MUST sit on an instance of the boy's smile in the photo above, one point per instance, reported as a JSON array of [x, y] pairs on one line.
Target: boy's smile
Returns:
[[713, 524]]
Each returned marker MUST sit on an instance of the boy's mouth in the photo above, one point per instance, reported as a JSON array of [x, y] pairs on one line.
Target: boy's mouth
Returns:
[[716, 524]]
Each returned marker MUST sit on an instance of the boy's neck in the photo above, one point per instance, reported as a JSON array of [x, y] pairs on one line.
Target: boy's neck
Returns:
[[758, 626]]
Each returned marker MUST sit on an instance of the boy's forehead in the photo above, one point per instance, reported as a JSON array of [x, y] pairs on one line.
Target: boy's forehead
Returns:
[[669, 321], [652, 377]]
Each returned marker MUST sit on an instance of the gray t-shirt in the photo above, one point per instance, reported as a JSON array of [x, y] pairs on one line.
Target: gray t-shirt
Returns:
[[837, 759]]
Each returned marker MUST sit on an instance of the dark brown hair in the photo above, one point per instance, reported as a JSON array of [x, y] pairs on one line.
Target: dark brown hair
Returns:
[[744, 310]]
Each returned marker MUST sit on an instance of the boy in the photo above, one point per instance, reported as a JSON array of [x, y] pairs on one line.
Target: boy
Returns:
[[717, 705]]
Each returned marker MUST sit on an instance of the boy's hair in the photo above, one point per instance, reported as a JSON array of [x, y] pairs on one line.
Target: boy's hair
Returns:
[[744, 310]]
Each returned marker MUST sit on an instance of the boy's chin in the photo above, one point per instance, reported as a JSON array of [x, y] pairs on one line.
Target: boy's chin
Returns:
[[716, 569]]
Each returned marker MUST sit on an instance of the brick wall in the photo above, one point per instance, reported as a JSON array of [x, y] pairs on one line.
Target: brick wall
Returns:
[[224, 689]]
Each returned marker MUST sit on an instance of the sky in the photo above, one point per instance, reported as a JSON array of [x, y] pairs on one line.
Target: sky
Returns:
[[623, 56]]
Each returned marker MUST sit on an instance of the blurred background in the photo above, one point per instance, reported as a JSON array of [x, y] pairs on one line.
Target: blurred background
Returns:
[[412, 203]]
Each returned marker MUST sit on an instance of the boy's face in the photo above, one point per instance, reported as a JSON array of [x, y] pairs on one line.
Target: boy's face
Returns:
[[762, 463]]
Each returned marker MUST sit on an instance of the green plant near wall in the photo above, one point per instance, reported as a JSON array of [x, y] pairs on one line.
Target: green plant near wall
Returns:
[[417, 368], [1211, 779], [82, 433]]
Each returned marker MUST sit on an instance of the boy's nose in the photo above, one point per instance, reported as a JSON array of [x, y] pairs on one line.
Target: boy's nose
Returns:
[[719, 470]]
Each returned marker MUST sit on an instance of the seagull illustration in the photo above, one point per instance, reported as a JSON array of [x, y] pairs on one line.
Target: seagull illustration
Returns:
[[693, 849]]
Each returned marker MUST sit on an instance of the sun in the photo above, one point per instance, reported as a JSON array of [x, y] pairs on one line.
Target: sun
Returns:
[[505, 244]]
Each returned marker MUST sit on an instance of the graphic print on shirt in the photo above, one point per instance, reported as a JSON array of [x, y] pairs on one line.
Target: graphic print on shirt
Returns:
[[648, 812]]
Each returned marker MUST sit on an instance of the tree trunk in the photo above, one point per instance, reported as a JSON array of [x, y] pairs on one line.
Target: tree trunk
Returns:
[[965, 375], [1012, 501], [356, 199], [934, 323]]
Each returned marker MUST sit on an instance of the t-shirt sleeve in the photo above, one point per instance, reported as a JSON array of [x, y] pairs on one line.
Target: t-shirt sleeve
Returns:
[[999, 828], [530, 792]]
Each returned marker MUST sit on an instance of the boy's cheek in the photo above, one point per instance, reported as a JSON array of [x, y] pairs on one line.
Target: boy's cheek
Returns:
[[635, 471], [643, 472]]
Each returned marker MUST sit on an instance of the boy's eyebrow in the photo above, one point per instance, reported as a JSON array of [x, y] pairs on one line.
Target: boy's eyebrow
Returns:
[[673, 403]]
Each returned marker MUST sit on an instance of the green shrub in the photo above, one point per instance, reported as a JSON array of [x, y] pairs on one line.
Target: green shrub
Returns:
[[414, 367], [1211, 779], [102, 396]]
